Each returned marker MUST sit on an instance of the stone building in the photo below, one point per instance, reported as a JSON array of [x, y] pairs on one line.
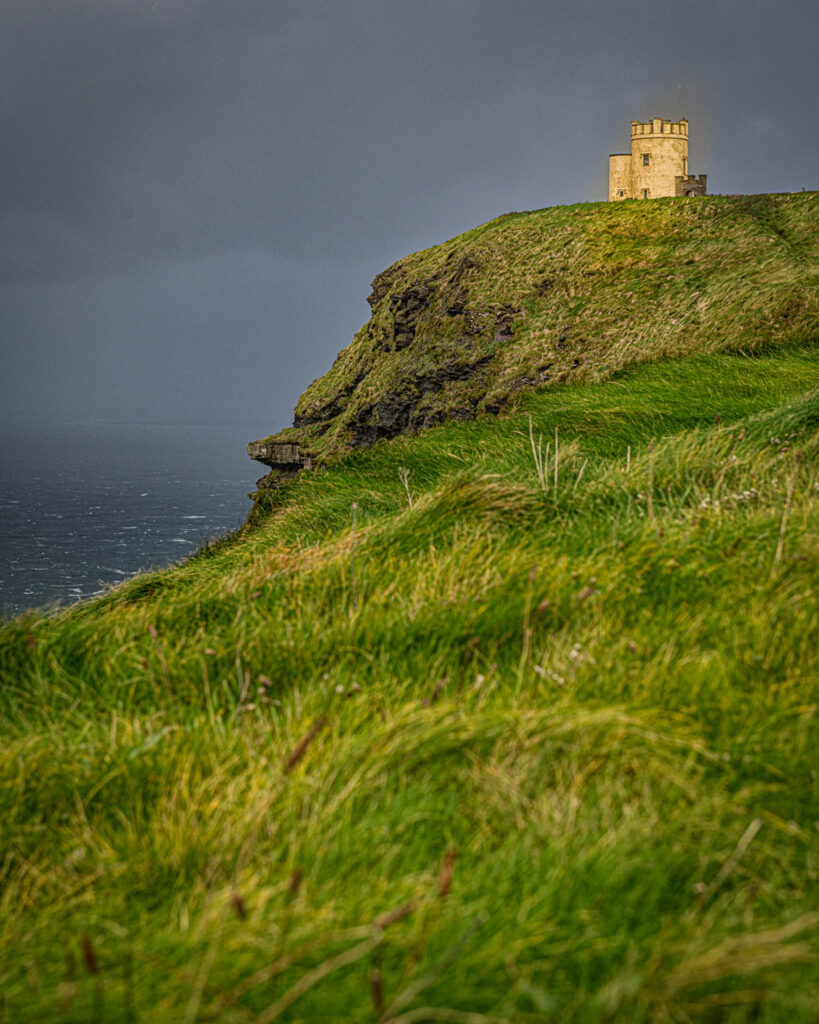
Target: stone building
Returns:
[[657, 164]]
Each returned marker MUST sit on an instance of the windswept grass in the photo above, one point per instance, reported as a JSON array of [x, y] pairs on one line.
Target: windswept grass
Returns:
[[566, 293], [550, 756]]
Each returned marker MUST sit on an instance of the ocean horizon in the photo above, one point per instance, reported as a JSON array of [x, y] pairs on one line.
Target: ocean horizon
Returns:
[[85, 506]]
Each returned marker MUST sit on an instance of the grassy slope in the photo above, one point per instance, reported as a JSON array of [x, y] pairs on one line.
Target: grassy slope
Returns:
[[572, 292], [218, 781]]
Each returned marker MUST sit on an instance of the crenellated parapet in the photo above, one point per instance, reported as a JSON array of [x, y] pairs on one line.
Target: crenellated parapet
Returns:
[[660, 127]]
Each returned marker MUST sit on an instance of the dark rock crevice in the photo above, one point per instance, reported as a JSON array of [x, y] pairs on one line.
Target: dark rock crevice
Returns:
[[400, 412], [406, 308], [504, 324]]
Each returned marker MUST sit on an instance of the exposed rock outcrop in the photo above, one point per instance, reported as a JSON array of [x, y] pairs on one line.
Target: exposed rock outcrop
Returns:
[[277, 455], [406, 307], [285, 461], [405, 412]]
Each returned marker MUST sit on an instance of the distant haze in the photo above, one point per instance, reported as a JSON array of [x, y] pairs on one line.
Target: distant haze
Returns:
[[196, 194]]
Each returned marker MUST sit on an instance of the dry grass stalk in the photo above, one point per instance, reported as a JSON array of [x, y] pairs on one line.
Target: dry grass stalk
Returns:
[[628, 457], [579, 475], [92, 964], [730, 460], [729, 866], [557, 462], [780, 546], [394, 915], [352, 556], [89, 955], [310, 978], [414, 989], [300, 748], [537, 455], [377, 990], [445, 880], [269, 971], [404, 475], [745, 954]]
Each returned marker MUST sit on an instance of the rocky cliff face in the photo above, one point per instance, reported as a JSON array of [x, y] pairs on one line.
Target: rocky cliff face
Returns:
[[567, 293]]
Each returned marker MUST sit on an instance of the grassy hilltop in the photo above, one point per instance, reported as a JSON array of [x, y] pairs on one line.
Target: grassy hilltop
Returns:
[[571, 293], [513, 719]]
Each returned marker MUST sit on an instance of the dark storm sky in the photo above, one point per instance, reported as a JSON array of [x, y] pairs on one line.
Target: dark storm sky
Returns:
[[196, 194]]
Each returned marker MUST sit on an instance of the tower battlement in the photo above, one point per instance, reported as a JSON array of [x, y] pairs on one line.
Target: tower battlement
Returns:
[[657, 165], [659, 126]]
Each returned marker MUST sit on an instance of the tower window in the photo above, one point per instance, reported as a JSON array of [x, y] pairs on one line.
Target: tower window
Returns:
[[645, 159], [622, 192], [645, 193]]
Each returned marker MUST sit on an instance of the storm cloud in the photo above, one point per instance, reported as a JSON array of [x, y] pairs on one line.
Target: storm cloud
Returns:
[[195, 194]]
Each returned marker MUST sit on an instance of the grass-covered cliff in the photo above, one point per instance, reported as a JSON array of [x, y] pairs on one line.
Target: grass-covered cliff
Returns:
[[569, 293], [507, 720]]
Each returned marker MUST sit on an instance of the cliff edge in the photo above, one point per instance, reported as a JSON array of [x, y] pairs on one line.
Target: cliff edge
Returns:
[[563, 294]]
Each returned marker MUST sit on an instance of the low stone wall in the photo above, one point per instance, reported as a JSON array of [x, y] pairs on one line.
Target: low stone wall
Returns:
[[690, 185]]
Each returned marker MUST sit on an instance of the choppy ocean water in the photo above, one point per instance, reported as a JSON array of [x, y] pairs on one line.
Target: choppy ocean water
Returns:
[[84, 507]]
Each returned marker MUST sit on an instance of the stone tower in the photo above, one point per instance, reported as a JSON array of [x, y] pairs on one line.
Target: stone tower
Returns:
[[657, 164]]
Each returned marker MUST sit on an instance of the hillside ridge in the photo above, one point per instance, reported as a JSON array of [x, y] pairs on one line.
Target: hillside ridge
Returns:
[[537, 688], [563, 294]]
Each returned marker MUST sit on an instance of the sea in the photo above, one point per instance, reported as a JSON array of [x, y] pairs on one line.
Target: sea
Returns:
[[86, 506]]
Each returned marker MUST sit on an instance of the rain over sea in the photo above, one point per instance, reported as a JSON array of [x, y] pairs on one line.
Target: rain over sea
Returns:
[[85, 507]]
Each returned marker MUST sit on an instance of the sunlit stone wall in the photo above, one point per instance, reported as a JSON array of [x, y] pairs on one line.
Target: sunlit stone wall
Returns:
[[659, 156]]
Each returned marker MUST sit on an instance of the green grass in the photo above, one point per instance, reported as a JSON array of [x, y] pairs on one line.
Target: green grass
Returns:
[[567, 293], [504, 755]]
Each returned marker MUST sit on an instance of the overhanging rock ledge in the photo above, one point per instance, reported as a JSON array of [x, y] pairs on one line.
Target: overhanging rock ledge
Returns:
[[286, 457]]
